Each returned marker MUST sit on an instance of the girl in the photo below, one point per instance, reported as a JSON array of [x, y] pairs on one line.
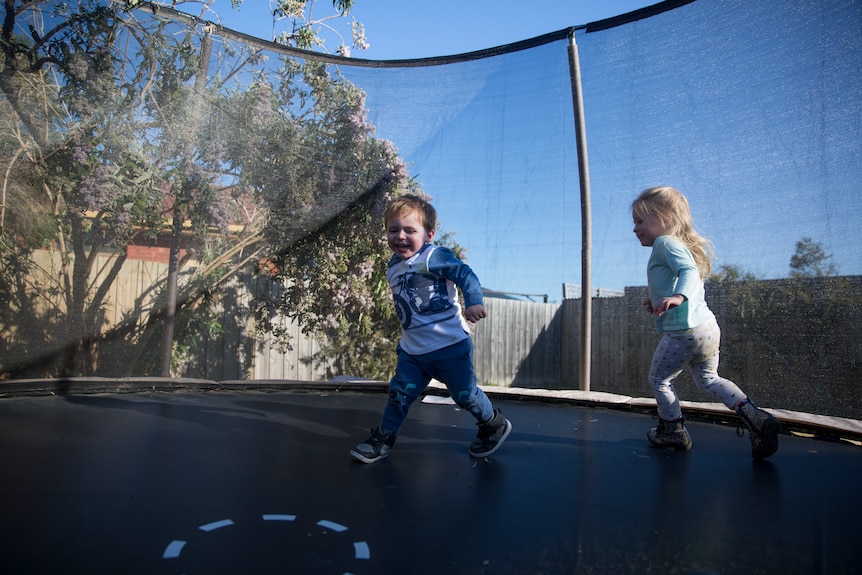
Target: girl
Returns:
[[678, 264]]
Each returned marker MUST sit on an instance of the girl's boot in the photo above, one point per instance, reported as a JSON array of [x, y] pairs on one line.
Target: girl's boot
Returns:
[[670, 434], [763, 428]]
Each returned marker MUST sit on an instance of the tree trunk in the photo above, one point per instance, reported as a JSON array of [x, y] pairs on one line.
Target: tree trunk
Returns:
[[176, 234]]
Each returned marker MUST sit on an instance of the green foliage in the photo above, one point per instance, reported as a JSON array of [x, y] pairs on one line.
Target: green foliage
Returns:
[[111, 122], [334, 285], [811, 260], [303, 27], [729, 273], [70, 145], [333, 280]]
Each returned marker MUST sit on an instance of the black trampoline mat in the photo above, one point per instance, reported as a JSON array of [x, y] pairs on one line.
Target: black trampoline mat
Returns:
[[262, 482]]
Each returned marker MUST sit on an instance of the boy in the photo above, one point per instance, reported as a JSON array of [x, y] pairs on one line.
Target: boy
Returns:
[[435, 336]]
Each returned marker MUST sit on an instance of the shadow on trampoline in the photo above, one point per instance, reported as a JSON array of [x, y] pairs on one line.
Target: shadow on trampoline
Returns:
[[228, 481]]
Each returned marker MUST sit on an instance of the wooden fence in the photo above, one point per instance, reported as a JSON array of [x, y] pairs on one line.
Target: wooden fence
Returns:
[[795, 344], [801, 355]]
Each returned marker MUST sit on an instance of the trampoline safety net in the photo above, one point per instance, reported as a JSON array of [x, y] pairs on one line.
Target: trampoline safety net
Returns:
[[165, 177]]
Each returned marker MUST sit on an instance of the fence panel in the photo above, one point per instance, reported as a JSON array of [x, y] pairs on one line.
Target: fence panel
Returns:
[[794, 344], [518, 344]]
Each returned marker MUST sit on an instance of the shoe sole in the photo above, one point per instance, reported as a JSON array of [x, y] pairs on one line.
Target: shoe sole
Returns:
[[684, 447], [677, 447], [499, 443], [364, 459]]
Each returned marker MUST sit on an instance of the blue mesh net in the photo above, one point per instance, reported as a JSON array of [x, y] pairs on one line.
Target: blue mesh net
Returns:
[[753, 110]]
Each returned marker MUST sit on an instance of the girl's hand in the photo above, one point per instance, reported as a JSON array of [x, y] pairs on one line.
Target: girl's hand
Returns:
[[474, 313], [648, 306], [667, 303]]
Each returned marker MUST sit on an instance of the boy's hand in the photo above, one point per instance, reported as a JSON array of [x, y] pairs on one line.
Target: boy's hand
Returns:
[[475, 312]]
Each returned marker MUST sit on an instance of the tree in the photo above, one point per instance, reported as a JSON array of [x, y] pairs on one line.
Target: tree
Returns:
[[811, 260], [111, 134], [327, 260], [71, 140], [731, 273]]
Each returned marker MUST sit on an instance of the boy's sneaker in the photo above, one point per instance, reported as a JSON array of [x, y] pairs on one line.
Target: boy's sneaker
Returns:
[[491, 435], [669, 434], [763, 428], [375, 447]]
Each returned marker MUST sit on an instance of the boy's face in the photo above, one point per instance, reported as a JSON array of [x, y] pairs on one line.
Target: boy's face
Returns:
[[406, 235]]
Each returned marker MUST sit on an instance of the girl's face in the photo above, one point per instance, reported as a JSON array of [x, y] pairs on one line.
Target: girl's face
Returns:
[[647, 228], [406, 235]]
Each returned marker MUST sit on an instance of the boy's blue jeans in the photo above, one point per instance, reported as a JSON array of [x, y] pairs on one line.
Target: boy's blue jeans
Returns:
[[452, 365]]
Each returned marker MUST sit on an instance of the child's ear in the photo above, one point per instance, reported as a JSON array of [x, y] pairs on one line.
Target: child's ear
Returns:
[[430, 234]]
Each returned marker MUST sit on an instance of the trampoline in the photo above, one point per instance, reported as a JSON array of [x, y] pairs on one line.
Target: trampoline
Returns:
[[747, 106], [194, 477]]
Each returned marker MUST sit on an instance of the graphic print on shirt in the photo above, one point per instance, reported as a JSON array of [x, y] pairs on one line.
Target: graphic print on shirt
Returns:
[[420, 294]]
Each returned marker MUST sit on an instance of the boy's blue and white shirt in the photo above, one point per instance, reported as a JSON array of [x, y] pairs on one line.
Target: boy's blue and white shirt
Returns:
[[424, 289]]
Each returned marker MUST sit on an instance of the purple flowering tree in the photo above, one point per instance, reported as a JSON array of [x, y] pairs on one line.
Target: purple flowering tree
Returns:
[[68, 149], [114, 129], [324, 179], [103, 116]]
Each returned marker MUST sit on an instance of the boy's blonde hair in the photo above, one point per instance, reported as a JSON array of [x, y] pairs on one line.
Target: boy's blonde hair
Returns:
[[671, 208], [409, 203]]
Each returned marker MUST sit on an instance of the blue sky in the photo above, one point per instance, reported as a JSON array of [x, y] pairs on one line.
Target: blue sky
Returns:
[[404, 29], [715, 98], [407, 30]]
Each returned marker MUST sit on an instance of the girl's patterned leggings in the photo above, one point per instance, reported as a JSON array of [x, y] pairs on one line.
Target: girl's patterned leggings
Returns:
[[696, 349]]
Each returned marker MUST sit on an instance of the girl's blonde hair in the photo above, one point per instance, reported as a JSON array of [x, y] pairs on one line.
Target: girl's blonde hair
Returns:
[[671, 208]]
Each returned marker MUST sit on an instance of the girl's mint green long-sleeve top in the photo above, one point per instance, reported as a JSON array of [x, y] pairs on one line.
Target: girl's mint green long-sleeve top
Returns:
[[672, 270]]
